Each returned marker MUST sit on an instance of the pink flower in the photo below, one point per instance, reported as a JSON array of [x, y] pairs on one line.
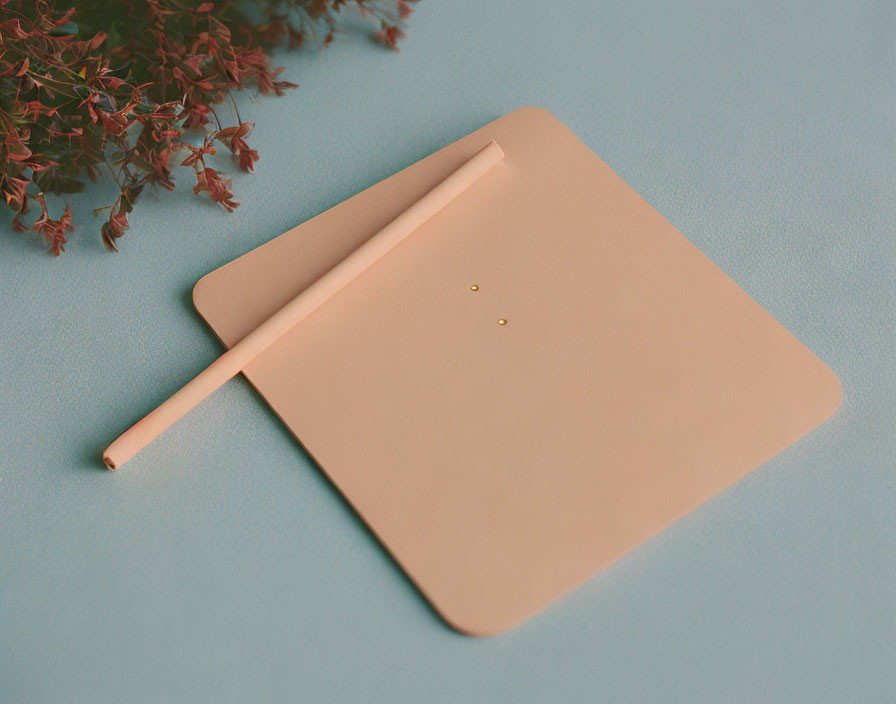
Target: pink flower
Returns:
[[218, 188], [53, 230], [389, 35]]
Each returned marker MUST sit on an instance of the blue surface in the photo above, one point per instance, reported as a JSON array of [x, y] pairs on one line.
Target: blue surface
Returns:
[[219, 566]]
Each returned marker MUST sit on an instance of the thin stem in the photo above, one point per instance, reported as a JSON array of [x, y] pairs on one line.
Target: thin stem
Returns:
[[111, 171], [236, 109], [212, 108]]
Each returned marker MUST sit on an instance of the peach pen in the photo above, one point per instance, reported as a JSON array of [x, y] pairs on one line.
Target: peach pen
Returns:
[[237, 357]]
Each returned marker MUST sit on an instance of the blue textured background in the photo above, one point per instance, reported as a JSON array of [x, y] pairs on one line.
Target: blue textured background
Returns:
[[219, 566]]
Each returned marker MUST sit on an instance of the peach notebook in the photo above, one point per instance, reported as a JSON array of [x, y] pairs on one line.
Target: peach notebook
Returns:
[[542, 376]]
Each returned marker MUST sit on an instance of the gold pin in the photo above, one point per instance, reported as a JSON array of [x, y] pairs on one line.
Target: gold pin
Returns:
[[474, 287], [502, 322]]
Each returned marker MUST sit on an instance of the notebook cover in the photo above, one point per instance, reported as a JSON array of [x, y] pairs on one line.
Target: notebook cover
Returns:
[[502, 465]]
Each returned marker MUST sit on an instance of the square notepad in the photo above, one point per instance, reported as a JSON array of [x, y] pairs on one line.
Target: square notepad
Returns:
[[503, 464]]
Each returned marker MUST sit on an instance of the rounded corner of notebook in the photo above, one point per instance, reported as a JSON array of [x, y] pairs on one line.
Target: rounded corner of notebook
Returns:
[[473, 617], [200, 292], [835, 390], [473, 627], [533, 111]]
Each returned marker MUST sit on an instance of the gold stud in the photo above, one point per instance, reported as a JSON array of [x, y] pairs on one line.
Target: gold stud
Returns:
[[474, 287], [502, 322]]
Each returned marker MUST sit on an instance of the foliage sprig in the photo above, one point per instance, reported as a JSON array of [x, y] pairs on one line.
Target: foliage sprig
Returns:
[[130, 87]]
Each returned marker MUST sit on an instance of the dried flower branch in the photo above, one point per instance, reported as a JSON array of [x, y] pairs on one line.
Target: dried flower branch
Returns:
[[117, 86]]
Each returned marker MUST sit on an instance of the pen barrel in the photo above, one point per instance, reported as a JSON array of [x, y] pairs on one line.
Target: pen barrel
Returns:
[[310, 299], [145, 430]]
